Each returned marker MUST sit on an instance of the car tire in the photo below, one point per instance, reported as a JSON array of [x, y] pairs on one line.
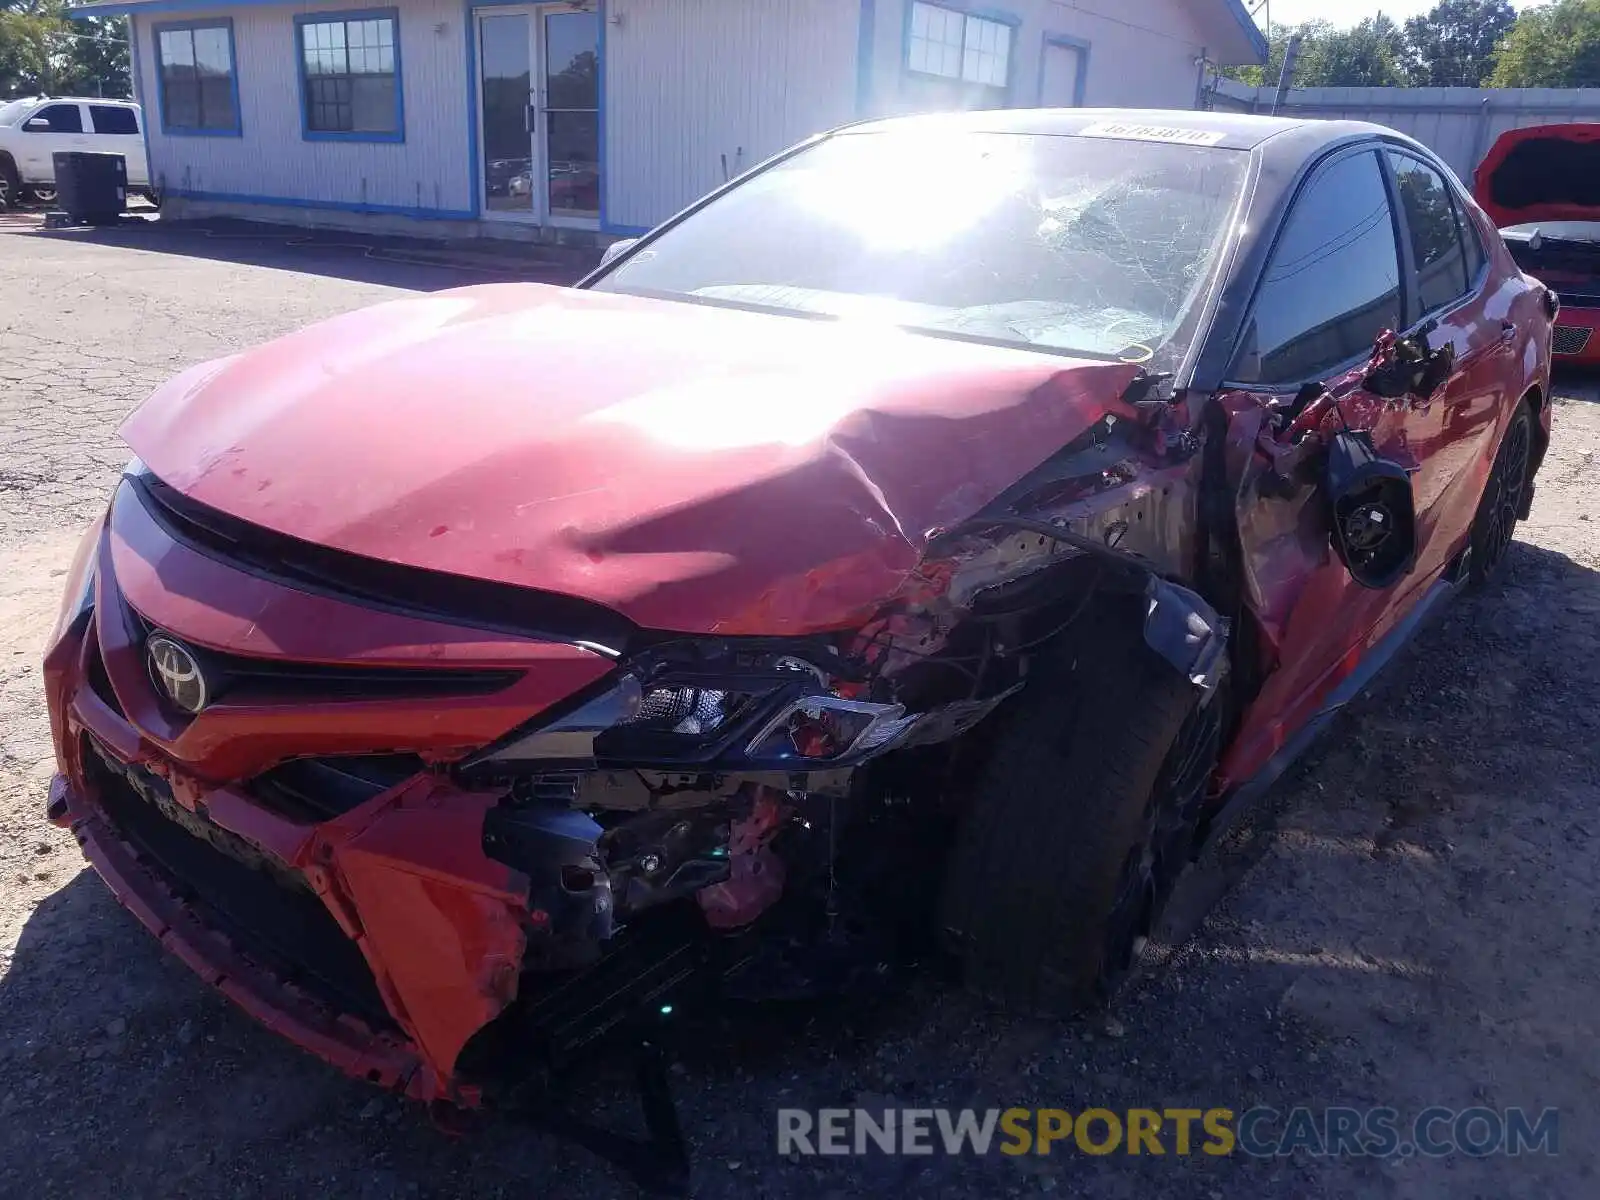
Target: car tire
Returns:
[[42, 194], [1503, 496], [10, 185], [1081, 820]]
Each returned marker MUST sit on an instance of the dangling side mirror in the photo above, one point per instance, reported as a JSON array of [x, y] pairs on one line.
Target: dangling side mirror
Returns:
[[1373, 511], [1403, 367]]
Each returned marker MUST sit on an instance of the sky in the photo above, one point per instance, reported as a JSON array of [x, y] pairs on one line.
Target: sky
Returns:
[[1348, 12]]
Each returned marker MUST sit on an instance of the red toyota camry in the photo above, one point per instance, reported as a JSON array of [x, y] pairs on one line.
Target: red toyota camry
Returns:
[[940, 532]]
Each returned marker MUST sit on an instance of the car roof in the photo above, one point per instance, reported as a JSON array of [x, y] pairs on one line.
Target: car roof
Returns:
[[1234, 131], [126, 103]]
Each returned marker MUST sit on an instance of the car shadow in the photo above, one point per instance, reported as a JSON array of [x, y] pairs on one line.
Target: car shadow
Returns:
[[417, 264], [1576, 383], [1405, 888]]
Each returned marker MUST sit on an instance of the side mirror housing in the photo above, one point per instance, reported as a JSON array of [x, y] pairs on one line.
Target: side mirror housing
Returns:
[[616, 249], [1373, 512], [37, 123]]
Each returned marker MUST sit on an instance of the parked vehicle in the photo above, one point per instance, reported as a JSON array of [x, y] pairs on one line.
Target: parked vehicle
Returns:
[[946, 528], [1542, 187], [32, 130]]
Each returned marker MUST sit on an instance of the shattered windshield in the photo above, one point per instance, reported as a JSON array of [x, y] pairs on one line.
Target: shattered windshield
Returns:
[[1075, 244]]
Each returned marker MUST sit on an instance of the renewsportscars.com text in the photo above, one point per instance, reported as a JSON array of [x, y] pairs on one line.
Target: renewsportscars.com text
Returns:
[[1259, 1132]]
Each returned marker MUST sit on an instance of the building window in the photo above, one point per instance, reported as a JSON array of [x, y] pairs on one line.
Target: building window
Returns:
[[199, 89], [957, 45], [350, 76]]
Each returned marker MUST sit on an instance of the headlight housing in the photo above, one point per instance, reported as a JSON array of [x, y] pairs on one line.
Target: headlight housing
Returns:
[[729, 710], [828, 729], [77, 594]]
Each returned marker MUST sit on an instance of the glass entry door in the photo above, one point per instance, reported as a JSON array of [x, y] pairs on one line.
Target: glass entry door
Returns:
[[539, 113]]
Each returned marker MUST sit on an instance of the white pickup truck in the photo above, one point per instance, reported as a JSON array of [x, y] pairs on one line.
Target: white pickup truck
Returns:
[[32, 130]]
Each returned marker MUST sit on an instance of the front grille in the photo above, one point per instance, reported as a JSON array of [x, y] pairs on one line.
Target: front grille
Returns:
[[283, 928], [1570, 340], [241, 679], [312, 790]]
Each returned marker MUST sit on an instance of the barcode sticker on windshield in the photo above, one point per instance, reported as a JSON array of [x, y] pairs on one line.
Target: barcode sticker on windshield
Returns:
[[1153, 133]]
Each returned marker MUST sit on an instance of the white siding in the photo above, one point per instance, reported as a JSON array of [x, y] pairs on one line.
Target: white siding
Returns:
[[429, 170], [1141, 54], [691, 83], [695, 91]]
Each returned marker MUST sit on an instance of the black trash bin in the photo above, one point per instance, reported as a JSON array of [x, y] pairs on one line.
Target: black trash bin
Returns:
[[91, 188]]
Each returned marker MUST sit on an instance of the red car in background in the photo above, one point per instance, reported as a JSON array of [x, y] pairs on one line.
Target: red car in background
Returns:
[[945, 528], [1541, 185]]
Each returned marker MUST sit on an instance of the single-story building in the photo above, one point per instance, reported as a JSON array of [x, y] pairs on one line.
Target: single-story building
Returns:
[[584, 118]]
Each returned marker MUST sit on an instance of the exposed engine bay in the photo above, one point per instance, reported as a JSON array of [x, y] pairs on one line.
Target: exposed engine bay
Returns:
[[680, 775]]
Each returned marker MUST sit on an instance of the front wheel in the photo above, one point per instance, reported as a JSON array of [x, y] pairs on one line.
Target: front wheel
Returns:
[[1496, 522], [1082, 820]]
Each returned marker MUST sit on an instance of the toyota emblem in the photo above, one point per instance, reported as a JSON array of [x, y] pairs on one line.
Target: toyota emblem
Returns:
[[174, 670]]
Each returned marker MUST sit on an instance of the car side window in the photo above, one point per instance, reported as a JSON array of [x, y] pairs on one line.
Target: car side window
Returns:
[[113, 118], [1333, 281], [1436, 246], [1472, 240], [62, 118]]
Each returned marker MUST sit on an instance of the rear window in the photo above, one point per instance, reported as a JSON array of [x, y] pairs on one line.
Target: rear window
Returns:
[[1442, 272], [1083, 245], [113, 118]]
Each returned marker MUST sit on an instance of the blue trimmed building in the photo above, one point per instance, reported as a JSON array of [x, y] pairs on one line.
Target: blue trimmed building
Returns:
[[582, 118]]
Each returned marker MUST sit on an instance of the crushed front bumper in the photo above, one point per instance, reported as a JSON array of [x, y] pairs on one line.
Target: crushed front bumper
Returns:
[[382, 942], [339, 1039], [378, 934]]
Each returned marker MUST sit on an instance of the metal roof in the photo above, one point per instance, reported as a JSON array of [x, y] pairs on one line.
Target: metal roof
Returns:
[[1254, 39]]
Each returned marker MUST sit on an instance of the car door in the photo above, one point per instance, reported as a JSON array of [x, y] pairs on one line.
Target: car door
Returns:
[[57, 125], [1335, 280], [116, 131], [1450, 281]]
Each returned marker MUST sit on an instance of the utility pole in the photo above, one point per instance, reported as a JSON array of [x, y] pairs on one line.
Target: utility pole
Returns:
[[1291, 54]]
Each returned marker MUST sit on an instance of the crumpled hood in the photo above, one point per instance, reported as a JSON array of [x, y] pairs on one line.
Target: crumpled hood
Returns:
[[695, 468], [1542, 173]]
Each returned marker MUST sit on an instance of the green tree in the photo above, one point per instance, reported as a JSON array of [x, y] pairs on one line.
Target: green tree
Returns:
[[24, 52], [1370, 54], [1277, 44], [1556, 46], [97, 57], [1454, 44], [42, 51]]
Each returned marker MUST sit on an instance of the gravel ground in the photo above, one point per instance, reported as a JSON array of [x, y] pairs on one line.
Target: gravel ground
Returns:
[[1406, 926]]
